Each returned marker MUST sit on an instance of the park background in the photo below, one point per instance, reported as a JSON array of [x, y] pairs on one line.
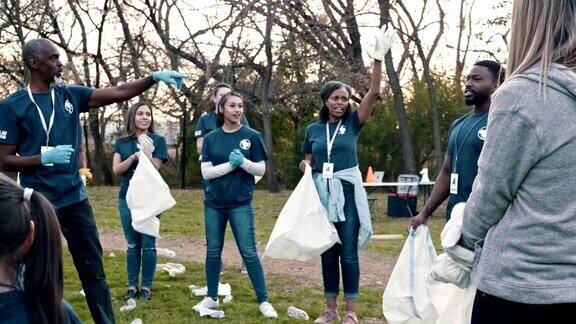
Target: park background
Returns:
[[277, 53]]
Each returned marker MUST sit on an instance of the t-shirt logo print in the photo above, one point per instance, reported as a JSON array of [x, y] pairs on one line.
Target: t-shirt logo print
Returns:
[[342, 130], [68, 106], [245, 144], [482, 133]]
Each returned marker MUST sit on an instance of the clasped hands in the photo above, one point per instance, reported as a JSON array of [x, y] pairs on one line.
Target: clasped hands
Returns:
[[236, 158]]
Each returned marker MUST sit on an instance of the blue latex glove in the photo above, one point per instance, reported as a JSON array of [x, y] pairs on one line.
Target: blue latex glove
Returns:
[[170, 77], [236, 158], [58, 155]]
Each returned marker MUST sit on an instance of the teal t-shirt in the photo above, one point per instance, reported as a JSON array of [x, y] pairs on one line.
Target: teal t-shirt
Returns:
[[20, 125], [207, 123], [127, 146], [237, 187], [343, 154], [465, 142]]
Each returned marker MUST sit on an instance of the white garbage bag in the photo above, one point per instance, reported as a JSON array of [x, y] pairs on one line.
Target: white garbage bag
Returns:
[[147, 196], [302, 230], [406, 298], [458, 309], [454, 266]]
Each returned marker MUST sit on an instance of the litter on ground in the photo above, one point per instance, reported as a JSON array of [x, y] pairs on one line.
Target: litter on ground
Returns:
[[130, 305], [173, 269]]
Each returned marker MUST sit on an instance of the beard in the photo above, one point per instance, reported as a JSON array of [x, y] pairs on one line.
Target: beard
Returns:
[[477, 98]]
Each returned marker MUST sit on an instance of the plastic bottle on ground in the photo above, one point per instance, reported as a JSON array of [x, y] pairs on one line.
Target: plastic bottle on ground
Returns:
[[297, 313]]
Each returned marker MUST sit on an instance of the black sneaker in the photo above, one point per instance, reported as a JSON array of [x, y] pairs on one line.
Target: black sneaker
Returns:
[[145, 294], [131, 293]]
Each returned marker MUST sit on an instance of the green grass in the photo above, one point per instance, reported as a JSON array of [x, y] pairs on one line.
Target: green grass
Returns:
[[187, 217], [172, 302]]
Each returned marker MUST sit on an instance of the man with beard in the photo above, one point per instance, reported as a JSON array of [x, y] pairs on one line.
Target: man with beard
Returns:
[[465, 141], [39, 138]]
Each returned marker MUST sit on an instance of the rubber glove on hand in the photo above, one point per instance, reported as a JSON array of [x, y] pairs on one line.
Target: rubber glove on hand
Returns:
[[86, 172], [236, 158], [58, 155], [170, 77], [384, 39], [146, 145]]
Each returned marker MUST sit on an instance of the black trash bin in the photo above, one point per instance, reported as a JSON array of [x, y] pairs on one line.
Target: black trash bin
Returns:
[[402, 205]]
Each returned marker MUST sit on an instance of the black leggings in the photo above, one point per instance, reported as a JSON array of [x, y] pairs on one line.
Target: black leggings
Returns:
[[489, 309]]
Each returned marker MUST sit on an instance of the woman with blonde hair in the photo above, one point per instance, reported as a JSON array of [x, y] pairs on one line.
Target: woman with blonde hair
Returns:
[[521, 215]]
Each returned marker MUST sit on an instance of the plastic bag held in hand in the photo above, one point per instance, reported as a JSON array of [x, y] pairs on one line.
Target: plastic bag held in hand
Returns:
[[384, 39], [146, 145], [170, 77], [147, 196], [407, 298], [302, 230], [455, 264], [58, 155]]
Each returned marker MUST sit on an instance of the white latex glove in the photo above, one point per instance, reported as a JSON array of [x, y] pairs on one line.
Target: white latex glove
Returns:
[[145, 145], [384, 39], [446, 270]]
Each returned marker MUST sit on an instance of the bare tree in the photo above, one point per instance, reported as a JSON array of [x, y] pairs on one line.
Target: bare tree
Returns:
[[425, 58], [399, 106], [462, 50], [266, 77]]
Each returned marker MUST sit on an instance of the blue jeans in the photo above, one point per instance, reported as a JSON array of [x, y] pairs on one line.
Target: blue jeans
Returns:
[[141, 250], [346, 253], [242, 224]]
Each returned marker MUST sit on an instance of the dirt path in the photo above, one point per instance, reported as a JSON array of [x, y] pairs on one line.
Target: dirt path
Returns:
[[375, 269]]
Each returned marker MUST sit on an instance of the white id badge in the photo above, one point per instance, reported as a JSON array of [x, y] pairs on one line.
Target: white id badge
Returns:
[[44, 149], [454, 183], [327, 170]]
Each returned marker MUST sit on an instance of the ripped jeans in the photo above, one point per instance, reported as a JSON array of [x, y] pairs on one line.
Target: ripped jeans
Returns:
[[141, 250]]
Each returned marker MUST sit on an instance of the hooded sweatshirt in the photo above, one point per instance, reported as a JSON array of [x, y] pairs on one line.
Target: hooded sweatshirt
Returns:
[[521, 214]]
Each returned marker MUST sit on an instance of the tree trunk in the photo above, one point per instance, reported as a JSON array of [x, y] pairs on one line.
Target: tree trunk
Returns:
[[273, 185], [100, 165], [399, 106], [400, 111], [431, 87]]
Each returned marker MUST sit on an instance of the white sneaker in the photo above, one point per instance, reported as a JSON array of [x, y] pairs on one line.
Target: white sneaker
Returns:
[[209, 303], [267, 310]]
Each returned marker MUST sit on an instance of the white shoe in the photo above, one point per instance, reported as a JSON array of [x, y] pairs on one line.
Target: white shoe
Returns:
[[209, 303], [267, 310]]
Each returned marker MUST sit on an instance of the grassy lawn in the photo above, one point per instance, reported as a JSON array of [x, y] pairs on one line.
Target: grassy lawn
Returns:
[[187, 217], [172, 302]]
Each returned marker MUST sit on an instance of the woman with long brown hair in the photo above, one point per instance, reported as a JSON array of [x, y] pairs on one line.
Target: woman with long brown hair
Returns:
[[139, 135], [521, 215], [31, 286], [232, 156], [208, 121]]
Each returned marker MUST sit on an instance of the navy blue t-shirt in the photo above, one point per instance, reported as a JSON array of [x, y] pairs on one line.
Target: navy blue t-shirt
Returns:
[[237, 187], [13, 309], [20, 125], [344, 154], [207, 123], [127, 146], [465, 142]]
